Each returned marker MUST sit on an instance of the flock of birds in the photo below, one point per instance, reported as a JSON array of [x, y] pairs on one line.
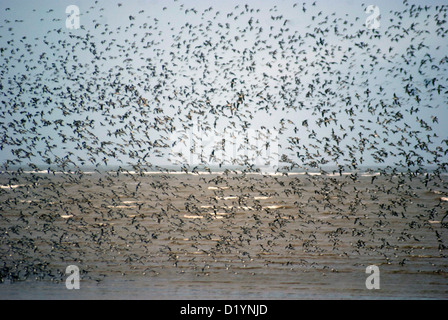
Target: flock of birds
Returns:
[[115, 93]]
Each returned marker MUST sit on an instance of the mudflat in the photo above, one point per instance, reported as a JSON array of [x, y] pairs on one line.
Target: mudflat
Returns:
[[221, 236]]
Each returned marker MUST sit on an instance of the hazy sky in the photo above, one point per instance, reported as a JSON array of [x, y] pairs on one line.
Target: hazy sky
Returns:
[[147, 38]]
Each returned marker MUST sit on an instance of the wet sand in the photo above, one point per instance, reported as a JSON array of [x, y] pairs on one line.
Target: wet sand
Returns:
[[218, 236]]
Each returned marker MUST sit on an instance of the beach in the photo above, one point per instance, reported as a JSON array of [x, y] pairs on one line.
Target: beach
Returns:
[[222, 236]]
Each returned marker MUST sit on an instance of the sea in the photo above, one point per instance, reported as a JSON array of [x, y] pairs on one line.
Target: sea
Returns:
[[223, 233]]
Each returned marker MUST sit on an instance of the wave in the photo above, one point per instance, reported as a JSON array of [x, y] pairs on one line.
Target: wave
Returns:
[[228, 172]]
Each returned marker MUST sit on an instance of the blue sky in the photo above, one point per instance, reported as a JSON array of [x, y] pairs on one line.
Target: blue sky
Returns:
[[277, 60]]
